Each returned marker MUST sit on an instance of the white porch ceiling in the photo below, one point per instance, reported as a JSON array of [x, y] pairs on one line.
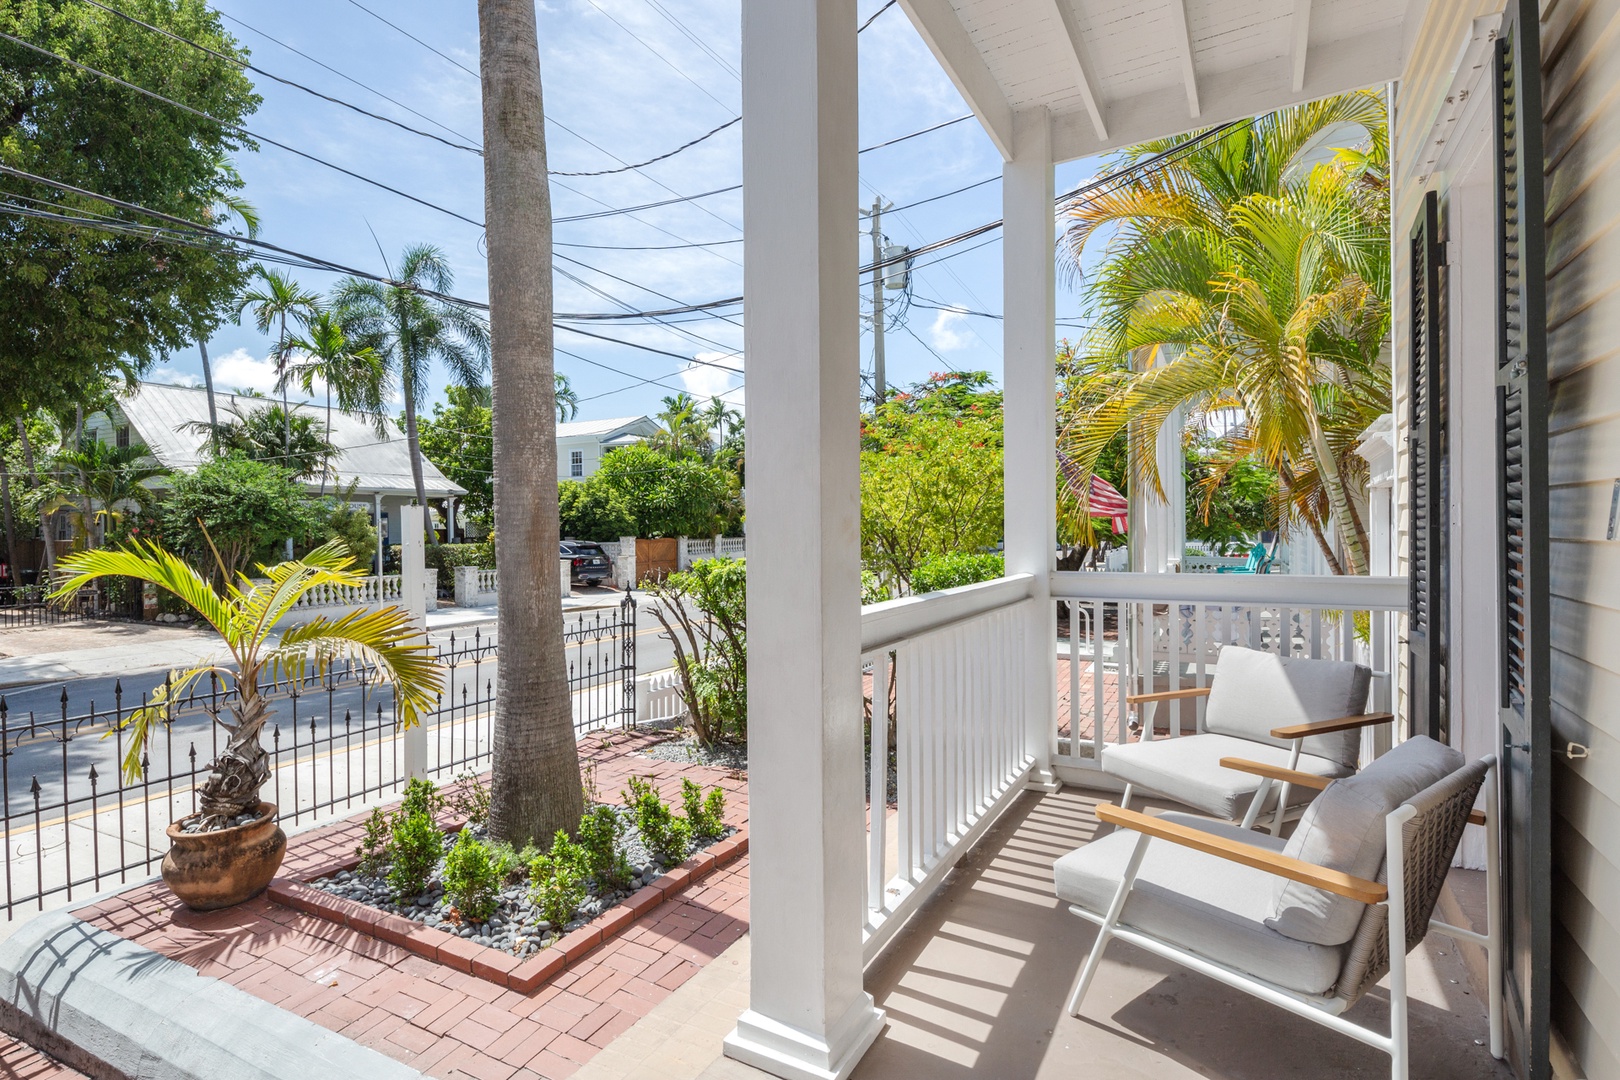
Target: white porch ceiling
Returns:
[[1116, 72]]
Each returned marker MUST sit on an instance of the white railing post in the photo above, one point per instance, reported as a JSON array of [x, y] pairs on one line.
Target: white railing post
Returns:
[[413, 576], [466, 586], [1029, 346], [683, 553], [809, 1014], [626, 562]]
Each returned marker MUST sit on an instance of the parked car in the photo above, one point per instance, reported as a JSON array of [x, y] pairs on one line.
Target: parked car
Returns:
[[591, 565]]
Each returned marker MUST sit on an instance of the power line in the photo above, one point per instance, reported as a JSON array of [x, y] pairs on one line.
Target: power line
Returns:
[[873, 17], [667, 61], [650, 247], [245, 65], [946, 195], [694, 39], [414, 38], [914, 134], [342, 75], [239, 128], [661, 157]]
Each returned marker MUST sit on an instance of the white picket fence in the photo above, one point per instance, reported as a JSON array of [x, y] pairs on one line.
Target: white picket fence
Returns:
[[690, 549], [658, 697], [373, 591]]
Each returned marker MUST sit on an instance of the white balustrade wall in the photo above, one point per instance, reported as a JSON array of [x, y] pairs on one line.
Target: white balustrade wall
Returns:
[[956, 663], [1145, 633], [658, 697], [372, 592]]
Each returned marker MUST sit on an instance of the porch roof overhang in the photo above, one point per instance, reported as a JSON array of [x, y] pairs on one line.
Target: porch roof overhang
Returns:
[[1111, 73]]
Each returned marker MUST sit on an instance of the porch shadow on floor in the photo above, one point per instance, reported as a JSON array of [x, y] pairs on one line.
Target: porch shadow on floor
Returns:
[[976, 986]]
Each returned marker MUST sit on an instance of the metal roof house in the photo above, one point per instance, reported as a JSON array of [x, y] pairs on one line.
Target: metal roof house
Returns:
[[581, 444], [1498, 584], [160, 416]]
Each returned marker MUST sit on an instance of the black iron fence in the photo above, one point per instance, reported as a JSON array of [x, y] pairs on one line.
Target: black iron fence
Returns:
[[26, 605], [75, 823]]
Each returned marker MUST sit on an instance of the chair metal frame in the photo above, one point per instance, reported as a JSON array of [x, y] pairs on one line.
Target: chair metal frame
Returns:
[[1319, 1008]]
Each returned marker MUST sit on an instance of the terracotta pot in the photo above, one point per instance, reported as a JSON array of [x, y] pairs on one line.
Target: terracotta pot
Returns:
[[209, 870]]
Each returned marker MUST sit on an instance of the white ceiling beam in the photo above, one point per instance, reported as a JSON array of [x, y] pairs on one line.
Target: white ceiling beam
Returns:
[[1301, 33], [1183, 39], [1082, 65], [1370, 59], [946, 37]]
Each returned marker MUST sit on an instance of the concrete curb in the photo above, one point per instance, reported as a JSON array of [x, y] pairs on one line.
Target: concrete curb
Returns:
[[117, 1011]]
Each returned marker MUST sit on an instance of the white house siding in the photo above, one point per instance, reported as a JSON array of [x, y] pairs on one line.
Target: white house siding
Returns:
[[1581, 80]]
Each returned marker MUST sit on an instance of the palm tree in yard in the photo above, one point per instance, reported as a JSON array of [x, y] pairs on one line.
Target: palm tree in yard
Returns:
[[109, 478], [1251, 292], [535, 788], [411, 331], [353, 372], [567, 400], [686, 430], [277, 299]]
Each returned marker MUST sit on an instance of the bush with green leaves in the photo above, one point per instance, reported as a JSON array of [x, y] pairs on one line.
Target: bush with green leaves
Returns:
[[705, 813], [421, 797], [668, 837], [415, 847], [704, 614], [469, 799], [473, 875], [374, 845], [557, 880], [599, 834], [956, 569]]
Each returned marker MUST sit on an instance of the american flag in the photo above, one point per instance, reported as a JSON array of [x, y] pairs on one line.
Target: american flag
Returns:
[[1101, 498]]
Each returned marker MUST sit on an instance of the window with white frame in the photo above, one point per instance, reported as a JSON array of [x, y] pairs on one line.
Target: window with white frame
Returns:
[[576, 463], [121, 436]]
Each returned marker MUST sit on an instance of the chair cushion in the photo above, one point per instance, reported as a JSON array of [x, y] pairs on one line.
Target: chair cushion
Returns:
[[1256, 691], [1198, 902], [1187, 768], [1343, 829]]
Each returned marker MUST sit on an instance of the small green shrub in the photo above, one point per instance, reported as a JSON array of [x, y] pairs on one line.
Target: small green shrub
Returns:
[[667, 836], [706, 813], [374, 846], [557, 880], [599, 833], [421, 797], [415, 849], [956, 569], [470, 799], [873, 591], [473, 875]]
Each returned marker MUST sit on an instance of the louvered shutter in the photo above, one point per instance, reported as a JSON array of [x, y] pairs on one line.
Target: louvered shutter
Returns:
[[1426, 529], [1521, 395]]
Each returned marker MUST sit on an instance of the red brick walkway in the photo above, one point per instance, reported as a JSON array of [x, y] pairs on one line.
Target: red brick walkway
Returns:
[[442, 1021], [19, 1061]]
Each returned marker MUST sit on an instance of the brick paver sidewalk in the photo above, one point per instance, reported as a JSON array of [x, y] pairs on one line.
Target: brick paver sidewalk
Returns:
[[447, 1023], [19, 1061]]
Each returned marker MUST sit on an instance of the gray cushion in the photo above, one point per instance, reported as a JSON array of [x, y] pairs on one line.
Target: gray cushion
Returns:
[[1198, 902], [1187, 768], [1344, 830], [1255, 691]]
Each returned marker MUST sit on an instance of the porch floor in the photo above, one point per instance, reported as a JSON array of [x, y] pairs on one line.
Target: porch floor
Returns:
[[976, 985]]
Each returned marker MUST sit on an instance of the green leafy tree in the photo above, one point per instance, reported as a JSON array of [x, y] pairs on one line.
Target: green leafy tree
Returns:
[[931, 484], [79, 304], [412, 331], [668, 496], [245, 506], [459, 438], [594, 510], [108, 479], [704, 615], [276, 299], [686, 431]]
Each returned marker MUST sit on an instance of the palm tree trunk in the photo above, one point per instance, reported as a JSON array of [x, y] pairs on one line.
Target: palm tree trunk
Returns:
[[10, 522], [84, 484], [412, 445], [208, 385], [326, 465], [286, 412], [1327, 467], [33, 480], [535, 786], [241, 770]]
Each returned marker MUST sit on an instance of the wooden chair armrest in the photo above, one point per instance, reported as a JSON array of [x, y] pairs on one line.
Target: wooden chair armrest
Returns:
[[1272, 862], [1277, 772], [1169, 695], [1328, 727], [1476, 817]]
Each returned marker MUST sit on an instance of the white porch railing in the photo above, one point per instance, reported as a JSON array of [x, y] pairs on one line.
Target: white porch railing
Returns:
[[373, 591], [732, 547], [956, 663], [1124, 634]]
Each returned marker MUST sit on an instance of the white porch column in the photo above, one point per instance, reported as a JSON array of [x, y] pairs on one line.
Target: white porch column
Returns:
[[414, 591], [1029, 303], [808, 1015]]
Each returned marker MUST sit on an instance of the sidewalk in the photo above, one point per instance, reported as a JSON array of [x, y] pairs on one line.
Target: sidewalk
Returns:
[[68, 651]]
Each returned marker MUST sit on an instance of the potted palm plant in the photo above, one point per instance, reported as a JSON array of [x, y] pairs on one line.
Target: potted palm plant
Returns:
[[231, 848]]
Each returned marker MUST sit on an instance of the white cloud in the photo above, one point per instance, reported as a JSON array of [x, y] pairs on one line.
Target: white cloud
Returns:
[[950, 331], [241, 370], [174, 376], [714, 374]]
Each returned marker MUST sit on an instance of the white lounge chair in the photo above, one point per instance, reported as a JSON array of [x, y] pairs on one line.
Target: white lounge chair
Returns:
[[1286, 712], [1309, 925]]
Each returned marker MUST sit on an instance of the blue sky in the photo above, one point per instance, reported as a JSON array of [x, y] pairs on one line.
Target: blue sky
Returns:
[[637, 78]]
